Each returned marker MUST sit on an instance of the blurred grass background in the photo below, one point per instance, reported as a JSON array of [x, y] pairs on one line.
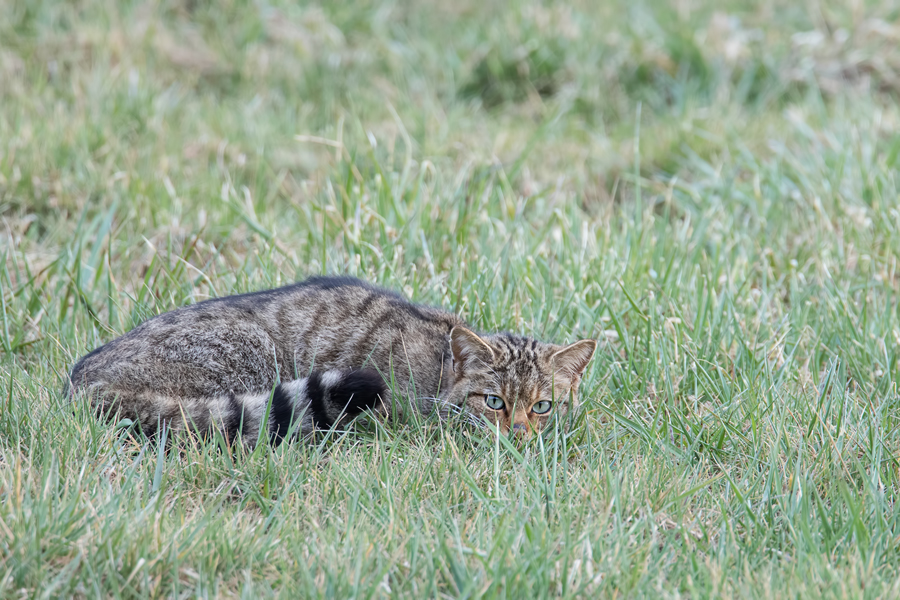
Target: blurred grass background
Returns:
[[708, 188]]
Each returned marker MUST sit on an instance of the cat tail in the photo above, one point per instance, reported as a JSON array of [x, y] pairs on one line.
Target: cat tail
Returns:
[[323, 400]]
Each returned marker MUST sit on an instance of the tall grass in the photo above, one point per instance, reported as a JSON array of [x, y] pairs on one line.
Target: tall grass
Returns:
[[709, 189]]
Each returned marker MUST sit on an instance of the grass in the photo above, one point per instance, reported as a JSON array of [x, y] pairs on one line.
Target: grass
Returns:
[[708, 188]]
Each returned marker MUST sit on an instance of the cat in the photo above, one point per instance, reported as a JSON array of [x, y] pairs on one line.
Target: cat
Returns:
[[315, 354]]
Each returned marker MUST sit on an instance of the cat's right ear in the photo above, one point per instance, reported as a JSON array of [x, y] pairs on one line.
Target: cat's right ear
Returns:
[[469, 350]]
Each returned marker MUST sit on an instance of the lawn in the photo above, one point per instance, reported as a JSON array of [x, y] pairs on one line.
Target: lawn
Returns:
[[710, 189]]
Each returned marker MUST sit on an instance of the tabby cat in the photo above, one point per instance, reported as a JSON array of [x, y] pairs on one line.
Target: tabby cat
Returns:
[[315, 354]]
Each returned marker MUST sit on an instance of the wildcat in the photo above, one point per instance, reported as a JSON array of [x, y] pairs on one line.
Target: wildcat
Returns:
[[315, 354]]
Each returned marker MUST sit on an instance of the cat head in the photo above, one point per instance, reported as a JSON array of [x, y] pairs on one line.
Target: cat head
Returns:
[[515, 382]]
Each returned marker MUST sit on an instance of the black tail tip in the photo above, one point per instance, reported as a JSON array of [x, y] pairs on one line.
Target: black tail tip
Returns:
[[358, 391]]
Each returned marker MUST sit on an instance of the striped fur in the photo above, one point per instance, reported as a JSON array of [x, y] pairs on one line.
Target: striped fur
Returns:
[[314, 355], [319, 401]]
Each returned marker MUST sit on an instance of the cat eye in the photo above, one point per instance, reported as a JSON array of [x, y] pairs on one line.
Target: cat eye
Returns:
[[541, 407], [494, 402]]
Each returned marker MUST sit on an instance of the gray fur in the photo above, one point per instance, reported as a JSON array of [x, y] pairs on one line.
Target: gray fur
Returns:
[[218, 363]]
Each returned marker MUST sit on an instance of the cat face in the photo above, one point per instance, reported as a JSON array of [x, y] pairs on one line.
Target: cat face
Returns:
[[515, 382]]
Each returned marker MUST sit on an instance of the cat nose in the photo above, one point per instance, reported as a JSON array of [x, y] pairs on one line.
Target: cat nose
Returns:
[[519, 429]]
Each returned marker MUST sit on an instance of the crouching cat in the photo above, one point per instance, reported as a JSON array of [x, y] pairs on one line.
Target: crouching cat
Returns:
[[314, 355]]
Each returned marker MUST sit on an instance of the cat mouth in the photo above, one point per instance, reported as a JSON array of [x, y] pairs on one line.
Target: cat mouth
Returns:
[[520, 429]]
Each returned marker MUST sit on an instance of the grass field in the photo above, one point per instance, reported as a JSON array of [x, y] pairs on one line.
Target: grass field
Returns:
[[710, 189]]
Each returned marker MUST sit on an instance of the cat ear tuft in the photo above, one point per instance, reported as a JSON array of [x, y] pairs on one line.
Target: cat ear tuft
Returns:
[[469, 350], [573, 359]]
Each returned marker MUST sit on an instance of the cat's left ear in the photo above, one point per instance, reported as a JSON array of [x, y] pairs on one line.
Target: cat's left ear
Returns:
[[572, 360]]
